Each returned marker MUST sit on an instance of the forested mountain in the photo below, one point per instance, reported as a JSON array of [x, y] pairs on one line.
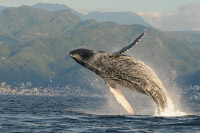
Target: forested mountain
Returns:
[[34, 46], [191, 38], [189, 80]]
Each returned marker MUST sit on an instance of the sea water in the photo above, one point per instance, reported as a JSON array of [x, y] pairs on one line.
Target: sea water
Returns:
[[63, 114]]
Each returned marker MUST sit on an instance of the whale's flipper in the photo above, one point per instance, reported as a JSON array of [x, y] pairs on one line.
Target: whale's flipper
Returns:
[[121, 98], [126, 48]]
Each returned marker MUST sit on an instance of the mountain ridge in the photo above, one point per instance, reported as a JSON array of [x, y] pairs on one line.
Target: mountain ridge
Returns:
[[127, 18], [118, 17], [55, 7]]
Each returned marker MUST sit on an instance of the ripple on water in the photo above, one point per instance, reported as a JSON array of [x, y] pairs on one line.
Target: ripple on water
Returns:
[[72, 114]]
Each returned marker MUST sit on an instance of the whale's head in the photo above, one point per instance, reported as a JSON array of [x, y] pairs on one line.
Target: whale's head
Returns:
[[89, 58], [82, 56]]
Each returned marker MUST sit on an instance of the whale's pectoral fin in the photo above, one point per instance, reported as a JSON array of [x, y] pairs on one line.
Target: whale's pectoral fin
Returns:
[[126, 48], [120, 98]]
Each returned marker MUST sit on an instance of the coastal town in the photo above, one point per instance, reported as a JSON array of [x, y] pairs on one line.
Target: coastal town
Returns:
[[28, 89]]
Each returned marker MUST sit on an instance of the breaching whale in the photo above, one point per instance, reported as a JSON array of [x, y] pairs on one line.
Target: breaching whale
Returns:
[[118, 69]]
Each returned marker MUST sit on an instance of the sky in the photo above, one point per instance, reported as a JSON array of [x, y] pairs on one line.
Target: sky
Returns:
[[162, 14]]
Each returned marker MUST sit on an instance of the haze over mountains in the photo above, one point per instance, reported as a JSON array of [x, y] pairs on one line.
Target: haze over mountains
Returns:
[[2, 7], [127, 18], [118, 17], [34, 44]]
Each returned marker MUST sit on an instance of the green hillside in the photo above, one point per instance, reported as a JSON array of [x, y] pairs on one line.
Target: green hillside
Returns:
[[34, 46], [190, 38]]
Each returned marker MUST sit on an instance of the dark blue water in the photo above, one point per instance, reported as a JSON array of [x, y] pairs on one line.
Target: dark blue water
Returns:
[[80, 114]]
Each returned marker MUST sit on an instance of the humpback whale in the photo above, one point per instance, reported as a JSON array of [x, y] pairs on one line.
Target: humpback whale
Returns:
[[118, 69]]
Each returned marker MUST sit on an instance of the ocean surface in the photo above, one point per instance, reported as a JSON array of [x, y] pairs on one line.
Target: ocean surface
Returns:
[[63, 114]]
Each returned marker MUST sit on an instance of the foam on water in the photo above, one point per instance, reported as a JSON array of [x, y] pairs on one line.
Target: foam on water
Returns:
[[171, 110]]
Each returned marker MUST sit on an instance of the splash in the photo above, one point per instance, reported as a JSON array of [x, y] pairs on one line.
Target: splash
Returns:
[[171, 110]]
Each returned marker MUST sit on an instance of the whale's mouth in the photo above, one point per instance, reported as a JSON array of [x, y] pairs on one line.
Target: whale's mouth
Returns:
[[72, 53], [75, 56]]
